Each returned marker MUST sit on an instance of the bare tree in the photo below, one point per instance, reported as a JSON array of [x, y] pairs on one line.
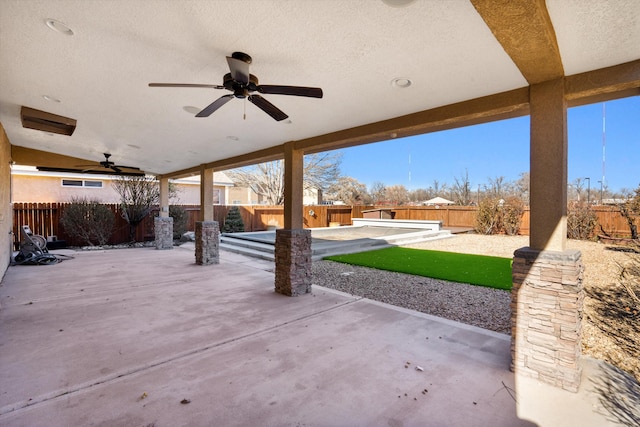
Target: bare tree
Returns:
[[436, 187], [397, 195], [138, 196], [499, 187], [419, 195], [350, 191], [264, 179], [523, 187], [377, 192], [321, 170], [577, 186], [461, 190]]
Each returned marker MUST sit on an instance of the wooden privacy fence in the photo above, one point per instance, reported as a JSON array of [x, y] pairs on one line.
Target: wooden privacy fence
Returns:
[[44, 218]]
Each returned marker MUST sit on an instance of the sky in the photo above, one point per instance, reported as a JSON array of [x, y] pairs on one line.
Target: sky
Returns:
[[501, 149]]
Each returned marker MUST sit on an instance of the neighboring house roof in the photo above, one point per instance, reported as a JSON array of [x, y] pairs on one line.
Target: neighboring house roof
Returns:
[[219, 178], [438, 201]]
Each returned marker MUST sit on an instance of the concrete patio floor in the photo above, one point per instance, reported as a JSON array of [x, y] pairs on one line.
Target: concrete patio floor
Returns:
[[141, 337]]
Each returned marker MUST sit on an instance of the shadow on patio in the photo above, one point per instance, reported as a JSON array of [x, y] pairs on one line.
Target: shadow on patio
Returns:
[[141, 337]]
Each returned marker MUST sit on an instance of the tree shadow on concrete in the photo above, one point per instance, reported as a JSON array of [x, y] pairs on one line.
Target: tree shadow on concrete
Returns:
[[619, 395], [616, 312]]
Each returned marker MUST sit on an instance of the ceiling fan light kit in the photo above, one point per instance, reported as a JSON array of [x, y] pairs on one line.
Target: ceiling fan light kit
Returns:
[[243, 85]]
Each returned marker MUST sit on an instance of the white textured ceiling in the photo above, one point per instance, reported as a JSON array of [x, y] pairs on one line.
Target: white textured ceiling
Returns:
[[352, 49]]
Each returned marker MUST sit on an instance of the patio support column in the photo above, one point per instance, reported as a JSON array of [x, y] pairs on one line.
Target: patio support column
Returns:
[[547, 294], [163, 224], [207, 230], [206, 194], [293, 243], [164, 197]]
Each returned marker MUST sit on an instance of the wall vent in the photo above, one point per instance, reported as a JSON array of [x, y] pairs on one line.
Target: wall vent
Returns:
[[46, 122]]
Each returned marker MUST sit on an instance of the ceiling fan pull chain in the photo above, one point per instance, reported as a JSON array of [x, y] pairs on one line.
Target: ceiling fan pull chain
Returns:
[[244, 115]]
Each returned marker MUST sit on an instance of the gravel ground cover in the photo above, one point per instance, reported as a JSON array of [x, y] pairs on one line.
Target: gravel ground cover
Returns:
[[611, 320]]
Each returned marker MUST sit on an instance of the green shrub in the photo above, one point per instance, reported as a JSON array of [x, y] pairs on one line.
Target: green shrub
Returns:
[[233, 223], [180, 217], [581, 221], [88, 220]]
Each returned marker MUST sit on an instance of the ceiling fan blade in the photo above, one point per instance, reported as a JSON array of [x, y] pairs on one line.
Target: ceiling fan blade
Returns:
[[126, 167], [92, 172], [267, 107], [312, 92], [185, 85], [239, 69], [116, 168], [214, 106]]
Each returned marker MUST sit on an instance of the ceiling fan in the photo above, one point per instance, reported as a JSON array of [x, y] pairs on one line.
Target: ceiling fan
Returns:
[[107, 167], [243, 85]]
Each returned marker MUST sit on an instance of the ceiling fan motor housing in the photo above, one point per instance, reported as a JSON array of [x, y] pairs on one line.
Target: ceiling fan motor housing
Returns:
[[242, 57], [240, 89]]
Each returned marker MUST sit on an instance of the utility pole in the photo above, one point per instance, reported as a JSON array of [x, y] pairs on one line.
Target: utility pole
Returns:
[[588, 190], [601, 184]]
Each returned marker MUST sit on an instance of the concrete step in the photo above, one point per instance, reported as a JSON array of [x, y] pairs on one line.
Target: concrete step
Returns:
[[242, 250], [320, 250], [244, 243]]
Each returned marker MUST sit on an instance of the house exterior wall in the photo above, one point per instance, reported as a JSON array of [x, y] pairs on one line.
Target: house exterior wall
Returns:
[[189, 194], [242, 196], [48, 189], [6, 210], [40, 188]]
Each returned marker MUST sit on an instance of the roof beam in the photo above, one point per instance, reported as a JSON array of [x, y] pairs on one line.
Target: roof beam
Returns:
[[505, 105], [260, 156], [604, 84], [30, 157], [525, 31]]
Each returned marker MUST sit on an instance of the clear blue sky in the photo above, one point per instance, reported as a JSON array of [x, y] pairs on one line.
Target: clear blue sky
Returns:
[[502, 149]]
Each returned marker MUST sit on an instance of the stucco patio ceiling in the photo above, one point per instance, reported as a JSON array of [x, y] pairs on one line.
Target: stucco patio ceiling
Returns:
[[451, 51]]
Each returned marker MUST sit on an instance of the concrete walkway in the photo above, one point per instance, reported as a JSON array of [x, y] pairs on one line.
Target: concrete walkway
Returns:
[[141, 337]]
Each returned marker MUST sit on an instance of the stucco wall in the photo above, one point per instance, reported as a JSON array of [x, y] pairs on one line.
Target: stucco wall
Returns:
[[6, 211], [48, 189]]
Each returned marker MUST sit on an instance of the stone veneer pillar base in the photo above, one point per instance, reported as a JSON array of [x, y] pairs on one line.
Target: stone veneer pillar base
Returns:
[[164, 232], [207, 243], [293, 262], [546, 316]]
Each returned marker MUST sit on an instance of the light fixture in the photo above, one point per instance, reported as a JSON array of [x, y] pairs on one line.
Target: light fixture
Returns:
[[401, 82], [50, 98], [191, 109], [46, 122], [398, 3], [59, 27]]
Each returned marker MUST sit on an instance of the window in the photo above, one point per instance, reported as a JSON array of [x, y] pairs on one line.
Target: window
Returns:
[[216, 196], [81, 183]]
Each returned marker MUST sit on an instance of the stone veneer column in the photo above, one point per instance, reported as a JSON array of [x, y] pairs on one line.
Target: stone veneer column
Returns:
[[546, 306], [293, 262], [207, 243], [164, 232]]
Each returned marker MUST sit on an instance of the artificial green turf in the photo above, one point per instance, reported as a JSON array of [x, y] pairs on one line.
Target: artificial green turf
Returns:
[[494, 272]]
